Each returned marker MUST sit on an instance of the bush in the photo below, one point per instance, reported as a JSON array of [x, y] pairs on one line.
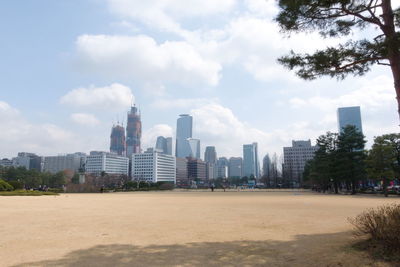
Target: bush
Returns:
[[381, 226], [4, 186]]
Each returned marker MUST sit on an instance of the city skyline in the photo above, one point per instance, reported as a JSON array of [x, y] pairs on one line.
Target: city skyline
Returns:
[[60, 95]]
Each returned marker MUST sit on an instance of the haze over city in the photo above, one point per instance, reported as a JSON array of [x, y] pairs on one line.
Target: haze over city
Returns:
[[72, 69]]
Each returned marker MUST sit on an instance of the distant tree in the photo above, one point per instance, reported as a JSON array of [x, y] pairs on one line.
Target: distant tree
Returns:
[[75, 179], [383, 159], [342, 18], [351, 155], [57, 180], [4, 186]]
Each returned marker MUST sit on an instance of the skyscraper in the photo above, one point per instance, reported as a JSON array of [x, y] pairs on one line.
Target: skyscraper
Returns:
[[210, 155], [266, 165], [164, 145], [349, 116], [222, 167], [133, 132], [194, 145], [251, 165], [117, 140], [235, 167], [183, 133]]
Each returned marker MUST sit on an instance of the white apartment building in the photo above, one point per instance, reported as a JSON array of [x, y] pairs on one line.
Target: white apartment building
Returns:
[[153, 166], [98, 162], [295, 158]]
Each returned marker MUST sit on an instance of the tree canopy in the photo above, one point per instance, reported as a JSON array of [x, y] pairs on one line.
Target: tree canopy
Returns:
[[341, 18]]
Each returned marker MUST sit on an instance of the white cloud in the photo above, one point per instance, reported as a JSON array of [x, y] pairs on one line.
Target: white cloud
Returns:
[[141, 58], [18, 134], [166, 14], [84, 119], [371, 94], [116, 97], [182, 103]]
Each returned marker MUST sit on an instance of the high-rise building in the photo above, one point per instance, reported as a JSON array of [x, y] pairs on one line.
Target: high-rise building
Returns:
[[183, 133], [349, 116], [266, 165], [235, 167], [196, 170], [98, 162], [295, 158], [59, 163], [194, 145], [153, 166], [210, 155], [222, 167], [117, 140], [133, 132], [182, 178], [164, 145], [251, 165]]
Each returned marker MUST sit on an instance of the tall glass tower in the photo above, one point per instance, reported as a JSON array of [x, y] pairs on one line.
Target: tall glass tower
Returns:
[[184, 127], [250, 161], [349, 116], [210, 155]]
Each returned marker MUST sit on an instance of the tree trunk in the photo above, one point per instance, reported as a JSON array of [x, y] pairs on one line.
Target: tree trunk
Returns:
[[335, 184], [393, 45], [353, 187]]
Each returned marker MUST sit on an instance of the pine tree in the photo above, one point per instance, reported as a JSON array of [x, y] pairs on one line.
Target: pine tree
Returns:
[[341, 18]]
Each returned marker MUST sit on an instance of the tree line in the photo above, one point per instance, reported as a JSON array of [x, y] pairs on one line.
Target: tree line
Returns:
[[342, 163], [20, 177]]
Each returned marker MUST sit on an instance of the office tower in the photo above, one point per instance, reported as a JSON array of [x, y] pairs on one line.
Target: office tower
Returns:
[[222, 167], [295, 158], [183, 133], [194, 145], [98, 162], [266, 165], [74, 162], [235, 167], [164, 145], [182, 178], [196, 170], [153, 166], [251, 166], [349, 116], [133, 132], [210, 155], [117, 140]]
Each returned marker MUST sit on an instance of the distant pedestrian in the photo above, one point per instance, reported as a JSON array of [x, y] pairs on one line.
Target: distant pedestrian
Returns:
[[212, 188], [101, 189]]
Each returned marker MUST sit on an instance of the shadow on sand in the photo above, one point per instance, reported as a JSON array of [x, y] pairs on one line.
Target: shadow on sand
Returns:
[[305, 250]]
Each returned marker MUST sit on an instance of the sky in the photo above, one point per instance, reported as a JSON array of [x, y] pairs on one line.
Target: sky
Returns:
[[70, 69]]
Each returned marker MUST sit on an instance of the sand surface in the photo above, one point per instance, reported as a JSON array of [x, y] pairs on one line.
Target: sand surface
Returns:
[[288, 228]]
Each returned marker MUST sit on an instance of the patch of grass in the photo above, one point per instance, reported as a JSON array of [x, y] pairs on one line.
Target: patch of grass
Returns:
[[27, 193]]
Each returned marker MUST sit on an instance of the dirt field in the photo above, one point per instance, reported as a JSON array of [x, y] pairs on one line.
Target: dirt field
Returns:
[[182, 229]]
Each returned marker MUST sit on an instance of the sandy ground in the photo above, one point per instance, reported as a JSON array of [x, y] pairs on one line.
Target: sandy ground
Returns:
[[183, 229]]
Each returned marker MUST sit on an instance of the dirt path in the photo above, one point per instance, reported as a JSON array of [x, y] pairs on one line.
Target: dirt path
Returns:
[[182, 229]]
